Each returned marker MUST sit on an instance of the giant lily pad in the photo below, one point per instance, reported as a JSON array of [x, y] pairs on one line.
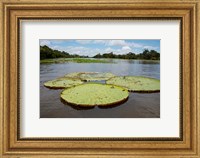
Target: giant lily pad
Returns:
[[63, 82], [93, 94], [136, 83], [96, 76], [73, 75], [78, 74], [91, 76]]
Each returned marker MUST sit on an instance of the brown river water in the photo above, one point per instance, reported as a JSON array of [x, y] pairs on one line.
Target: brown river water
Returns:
[[138, 105]]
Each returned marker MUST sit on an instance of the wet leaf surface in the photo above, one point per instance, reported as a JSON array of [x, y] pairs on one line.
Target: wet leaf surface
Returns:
[[93, 94], [136, 83], [91, 76], [63, 82]]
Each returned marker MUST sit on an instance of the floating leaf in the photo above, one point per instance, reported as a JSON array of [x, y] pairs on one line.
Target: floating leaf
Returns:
[[73, 74], [96, 76], [91, 76], [136, 83], [93, 94], [63, 82]]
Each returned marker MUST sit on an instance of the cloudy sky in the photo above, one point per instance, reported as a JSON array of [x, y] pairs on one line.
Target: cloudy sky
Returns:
[[93, 47]]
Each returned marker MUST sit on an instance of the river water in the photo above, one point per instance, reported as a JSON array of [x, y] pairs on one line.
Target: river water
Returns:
[[139, 105]]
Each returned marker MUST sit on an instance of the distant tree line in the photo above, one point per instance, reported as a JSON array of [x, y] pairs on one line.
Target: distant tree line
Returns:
[[148, 55], [48, 53]]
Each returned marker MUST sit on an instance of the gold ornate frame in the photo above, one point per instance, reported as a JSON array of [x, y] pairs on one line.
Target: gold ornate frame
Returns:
[[12, 12]]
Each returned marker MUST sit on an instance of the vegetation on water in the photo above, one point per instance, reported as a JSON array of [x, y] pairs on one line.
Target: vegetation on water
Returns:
[[84, 60], [136, 83], [81, 93], [48, 53], [96, 76], [93, 94], [63, 82], [91, 76], [75, 60], [75, 74], [76, 78]]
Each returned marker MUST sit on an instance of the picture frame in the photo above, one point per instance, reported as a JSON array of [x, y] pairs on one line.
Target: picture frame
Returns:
[[12, 12]]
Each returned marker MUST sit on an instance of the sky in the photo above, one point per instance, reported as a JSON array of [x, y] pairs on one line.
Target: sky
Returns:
[[93, 47]]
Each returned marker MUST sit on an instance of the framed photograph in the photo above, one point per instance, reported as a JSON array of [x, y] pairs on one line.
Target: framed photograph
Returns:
[[99, 79]]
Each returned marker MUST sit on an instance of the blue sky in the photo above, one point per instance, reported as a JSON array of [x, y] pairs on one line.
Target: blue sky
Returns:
[[93, 47]]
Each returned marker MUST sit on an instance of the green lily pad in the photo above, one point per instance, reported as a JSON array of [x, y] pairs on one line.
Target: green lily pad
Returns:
[[96, 76], [91, 76], [136, 83], [73, 74], [63, 82], [93, 94]]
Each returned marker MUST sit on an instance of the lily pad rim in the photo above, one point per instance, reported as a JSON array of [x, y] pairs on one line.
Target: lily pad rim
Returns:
[[102, 105], [79, 73], [86, 105], [137, 76]]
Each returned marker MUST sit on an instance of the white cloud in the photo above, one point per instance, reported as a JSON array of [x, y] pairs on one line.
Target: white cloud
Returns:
[[100, 41], [123, 43], [80, 50], [126, 48], [104, 42], [50, 42], [136, 45], [115, 46], [116, 43], [120, 43], [84, 41], [57, 41], [150, 47], [123, 50], [108, 49], [44, 42]]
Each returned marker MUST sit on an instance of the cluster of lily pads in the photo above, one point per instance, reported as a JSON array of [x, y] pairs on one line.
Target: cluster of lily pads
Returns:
[[80, 88]]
